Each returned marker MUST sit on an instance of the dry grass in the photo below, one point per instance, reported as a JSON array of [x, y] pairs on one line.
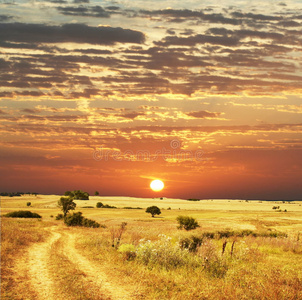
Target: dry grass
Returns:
[[259, 267], [16, 236], [251, 273]]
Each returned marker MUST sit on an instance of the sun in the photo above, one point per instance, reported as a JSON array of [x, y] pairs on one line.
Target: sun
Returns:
[[157, 185]]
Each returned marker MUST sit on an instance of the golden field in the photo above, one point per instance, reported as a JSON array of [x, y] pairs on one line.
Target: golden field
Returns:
[[49, 260]]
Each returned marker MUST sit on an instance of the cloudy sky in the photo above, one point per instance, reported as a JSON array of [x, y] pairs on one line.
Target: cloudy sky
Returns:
[[107, 95]]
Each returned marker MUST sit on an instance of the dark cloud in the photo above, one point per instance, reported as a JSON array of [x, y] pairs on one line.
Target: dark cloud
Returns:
[[132, 115], [255, 16], [58, 1], [289, 23], [203, 114], [73, 33], [95, 11], [4, 18], [199, 39], [30, 111], [182, 15]]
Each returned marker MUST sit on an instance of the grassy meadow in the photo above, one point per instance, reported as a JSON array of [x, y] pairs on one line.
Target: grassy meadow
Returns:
[[242, 249]]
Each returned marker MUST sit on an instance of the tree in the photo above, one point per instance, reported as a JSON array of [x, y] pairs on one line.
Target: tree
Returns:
[[28, 203], [186, 222], [96, 193], [77, 195], [66, 204], [153, 210], [99, 204]]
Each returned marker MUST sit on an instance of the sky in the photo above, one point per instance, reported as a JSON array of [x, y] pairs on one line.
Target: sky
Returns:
[[109, 95]]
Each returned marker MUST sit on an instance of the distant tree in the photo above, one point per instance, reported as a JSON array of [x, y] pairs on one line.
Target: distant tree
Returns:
[[96, 193], [69, 194], [28, 203], [77, 195], [66, 204], [153, 210], [99, 205], [187, 223]]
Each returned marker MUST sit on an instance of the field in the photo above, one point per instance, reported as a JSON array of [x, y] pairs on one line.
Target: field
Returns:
[[242, 250]]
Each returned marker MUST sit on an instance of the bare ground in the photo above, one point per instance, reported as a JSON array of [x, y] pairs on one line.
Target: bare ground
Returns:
[[38, 265]]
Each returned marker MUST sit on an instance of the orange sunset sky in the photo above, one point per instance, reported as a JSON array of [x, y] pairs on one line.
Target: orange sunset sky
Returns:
[[108, 95]]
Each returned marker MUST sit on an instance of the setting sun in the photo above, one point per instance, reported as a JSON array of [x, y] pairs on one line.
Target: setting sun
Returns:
[[157, 185]]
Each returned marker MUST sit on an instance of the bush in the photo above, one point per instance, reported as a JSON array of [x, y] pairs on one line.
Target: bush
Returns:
[[22, 214], [90, 223], [128, 251], [187, 223], [129, 207], [108, 206], [60, 217], [191, 243], [101, 205], [76, 219], [164, 254], [28, 203]]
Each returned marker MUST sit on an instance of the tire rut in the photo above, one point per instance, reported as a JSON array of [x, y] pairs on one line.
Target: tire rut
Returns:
[[93, 273], [38, 265]]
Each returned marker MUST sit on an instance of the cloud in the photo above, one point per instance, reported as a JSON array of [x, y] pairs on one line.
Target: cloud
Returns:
[[183, 15], [5, 18], [72, 33], [203, 114], [199, 39], [95, 11]]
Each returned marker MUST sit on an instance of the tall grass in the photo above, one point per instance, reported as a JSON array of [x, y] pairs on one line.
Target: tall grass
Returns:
[[164, 270]]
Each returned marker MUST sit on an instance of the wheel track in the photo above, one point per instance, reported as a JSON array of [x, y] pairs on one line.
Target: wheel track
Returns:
[[38, 265]]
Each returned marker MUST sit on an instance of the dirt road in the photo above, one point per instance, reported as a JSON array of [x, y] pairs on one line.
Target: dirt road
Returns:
[[48, 265]]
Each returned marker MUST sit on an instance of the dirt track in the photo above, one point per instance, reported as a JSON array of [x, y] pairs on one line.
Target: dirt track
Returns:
[[37, 263]]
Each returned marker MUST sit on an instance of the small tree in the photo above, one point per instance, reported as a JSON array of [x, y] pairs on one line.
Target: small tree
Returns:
[[186, 222], [28, 203], [66, 204], [99, 204], [153, 210], [96, 193]]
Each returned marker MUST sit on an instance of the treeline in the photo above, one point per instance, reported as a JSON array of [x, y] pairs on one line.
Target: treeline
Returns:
[[16, 194]]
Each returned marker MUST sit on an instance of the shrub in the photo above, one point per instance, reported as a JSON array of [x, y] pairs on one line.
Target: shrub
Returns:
[[188, 223], [28, 203], [128, 251], [129, 207], [60, 217], [153, 210], [191, 243], [76, 219], [164, 254], [90, 223], [101, 205], [108, 206], [22, 214]]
